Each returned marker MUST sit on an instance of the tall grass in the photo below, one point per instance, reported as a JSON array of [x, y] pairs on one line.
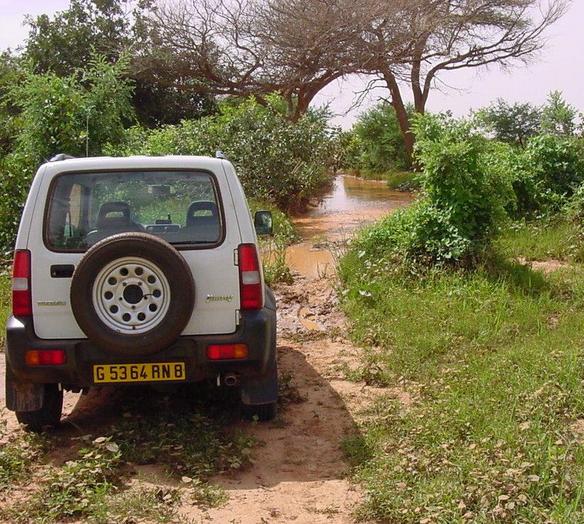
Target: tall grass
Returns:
[[493, 359], [542, 240]]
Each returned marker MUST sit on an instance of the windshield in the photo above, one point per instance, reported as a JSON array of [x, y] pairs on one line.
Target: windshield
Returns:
[[179, 206]]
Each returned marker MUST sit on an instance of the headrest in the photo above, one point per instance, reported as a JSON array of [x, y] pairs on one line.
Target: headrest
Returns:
[[113, 214], [203, 211]]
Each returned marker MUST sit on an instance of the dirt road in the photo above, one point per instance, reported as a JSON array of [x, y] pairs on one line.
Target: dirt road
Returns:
[[298, 472]]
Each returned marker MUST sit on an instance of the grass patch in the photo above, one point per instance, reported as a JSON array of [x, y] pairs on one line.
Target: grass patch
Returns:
[[80, 488], [273, 248], [496, 359], [543, 240], [142, 505], [17, 455], [181, 435], [5, 302], [403, 181]]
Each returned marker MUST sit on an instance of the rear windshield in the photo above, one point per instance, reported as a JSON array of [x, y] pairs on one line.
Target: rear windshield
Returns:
[[179, 206]]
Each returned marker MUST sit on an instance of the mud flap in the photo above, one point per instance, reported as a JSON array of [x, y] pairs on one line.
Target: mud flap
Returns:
[[261, 391], [24, 396]]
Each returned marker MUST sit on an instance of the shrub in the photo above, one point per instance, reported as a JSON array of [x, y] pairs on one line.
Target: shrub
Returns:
[[59, 115], [279, 161], [557, 166], [463, 203], [377, 144]]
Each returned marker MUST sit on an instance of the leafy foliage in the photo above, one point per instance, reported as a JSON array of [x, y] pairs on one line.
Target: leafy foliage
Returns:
[[546, 174], [65, 44], [377, 144], [278, 161], [511, 123], [463, 201], [558, 117], [59, 114]]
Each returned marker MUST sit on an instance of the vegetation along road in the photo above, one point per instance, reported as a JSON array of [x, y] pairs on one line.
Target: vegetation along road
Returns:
[[431, 362], [144, 464]]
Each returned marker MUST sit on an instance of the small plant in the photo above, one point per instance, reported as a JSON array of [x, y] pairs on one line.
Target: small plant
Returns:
[[17, 456], [205, 494], [77, 489], [276, 269], [139, 505]]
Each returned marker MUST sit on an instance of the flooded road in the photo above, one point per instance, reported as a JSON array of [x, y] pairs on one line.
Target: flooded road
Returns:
[[351, 204]]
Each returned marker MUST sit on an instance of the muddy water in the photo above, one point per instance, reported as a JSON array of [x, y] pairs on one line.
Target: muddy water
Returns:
[[351, 203]]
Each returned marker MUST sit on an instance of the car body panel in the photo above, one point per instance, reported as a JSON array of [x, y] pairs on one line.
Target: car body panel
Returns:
[[214, 269]]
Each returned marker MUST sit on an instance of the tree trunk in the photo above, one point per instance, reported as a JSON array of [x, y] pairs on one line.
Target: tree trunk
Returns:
[[403, 118]]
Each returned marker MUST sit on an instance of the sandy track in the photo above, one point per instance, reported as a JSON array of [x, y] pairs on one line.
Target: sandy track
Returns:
[[298, 473]]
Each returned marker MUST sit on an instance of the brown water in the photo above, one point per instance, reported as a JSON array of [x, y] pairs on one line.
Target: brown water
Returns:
[[351, 204]]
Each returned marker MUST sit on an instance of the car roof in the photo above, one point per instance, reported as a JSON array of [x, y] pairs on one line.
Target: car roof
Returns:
[[108, 163]]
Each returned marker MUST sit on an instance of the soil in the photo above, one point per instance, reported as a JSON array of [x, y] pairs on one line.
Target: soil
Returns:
[[299, 473]]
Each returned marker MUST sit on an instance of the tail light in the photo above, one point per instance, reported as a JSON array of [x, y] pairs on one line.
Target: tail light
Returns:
[[45, 357], [250, 281], [21, 288], [226, 351]]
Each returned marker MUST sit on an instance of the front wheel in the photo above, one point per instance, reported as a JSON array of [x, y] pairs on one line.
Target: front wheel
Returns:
[[48, 415]]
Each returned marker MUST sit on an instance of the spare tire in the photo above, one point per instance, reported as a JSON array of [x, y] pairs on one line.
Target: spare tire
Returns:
[[132, 294]]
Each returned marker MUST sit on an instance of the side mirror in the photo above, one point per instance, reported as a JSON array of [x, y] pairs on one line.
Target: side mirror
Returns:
[[263, 223]]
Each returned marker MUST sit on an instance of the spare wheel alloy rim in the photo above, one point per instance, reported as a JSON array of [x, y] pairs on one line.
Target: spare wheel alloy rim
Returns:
[[131, 295]]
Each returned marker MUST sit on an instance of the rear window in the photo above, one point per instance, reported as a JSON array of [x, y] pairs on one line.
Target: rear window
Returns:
[[181, 207]]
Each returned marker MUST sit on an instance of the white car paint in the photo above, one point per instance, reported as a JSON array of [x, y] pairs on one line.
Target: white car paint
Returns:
[[214, 270]]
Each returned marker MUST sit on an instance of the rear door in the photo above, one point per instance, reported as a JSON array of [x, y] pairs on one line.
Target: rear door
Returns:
[[73, 208]]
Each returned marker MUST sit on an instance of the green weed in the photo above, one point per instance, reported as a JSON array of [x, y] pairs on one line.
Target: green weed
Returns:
[[142, 505], [78, 489], [496, 357], [5, 301], [542, 240], [17, 456]]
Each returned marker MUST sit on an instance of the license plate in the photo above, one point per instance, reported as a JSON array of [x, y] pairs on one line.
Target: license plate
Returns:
[[147, 372]]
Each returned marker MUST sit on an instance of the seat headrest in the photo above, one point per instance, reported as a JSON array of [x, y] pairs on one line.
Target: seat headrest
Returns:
[[210, 215], [113, 214]]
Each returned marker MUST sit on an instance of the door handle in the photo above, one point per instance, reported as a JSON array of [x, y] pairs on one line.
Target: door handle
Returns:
[[62, 271]]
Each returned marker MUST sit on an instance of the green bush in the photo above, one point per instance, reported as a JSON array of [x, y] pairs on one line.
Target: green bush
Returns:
[[544, 175], [278, 161], [463, 201], [74, 114], [376, 145]]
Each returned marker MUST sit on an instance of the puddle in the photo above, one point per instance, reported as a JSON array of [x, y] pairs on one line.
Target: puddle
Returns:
[[351, 203]]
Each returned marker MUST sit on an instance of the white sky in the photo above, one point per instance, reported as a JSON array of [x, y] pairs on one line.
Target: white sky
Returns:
[[559, 66]]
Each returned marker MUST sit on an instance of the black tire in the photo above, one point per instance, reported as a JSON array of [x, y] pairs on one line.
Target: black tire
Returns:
[[156, 251], [48, 415], [261, 412]]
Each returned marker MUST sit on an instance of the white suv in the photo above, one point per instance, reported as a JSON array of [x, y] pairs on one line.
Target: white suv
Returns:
[[138, 270]]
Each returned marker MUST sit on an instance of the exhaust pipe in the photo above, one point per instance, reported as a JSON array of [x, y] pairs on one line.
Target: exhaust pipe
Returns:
[[230, 379]]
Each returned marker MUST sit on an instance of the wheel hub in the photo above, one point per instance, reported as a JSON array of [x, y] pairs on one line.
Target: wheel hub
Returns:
[[131, 295]]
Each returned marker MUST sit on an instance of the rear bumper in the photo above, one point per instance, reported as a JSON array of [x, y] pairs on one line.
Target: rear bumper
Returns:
[[257, 329]]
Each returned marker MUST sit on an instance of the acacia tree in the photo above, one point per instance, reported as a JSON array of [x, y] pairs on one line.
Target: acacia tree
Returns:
[[297, 47], [436, 36], [254, 47]]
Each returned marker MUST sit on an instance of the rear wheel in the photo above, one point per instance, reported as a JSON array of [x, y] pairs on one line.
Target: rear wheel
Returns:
[[48, 415]]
